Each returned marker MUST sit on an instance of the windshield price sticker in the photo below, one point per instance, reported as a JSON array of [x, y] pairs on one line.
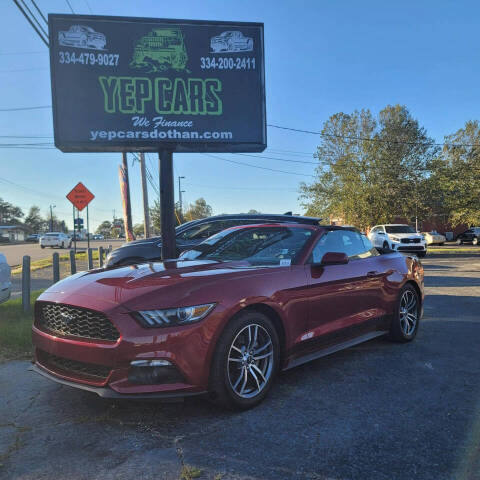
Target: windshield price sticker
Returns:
[[126, 83]]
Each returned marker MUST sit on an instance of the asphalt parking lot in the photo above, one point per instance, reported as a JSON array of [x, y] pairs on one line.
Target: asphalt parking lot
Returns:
[[376, 411]]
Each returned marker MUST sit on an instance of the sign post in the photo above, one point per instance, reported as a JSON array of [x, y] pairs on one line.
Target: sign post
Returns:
[[169, 248]]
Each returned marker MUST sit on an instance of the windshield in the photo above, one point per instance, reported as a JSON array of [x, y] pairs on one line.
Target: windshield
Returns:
[[258, 246], [399, 229]]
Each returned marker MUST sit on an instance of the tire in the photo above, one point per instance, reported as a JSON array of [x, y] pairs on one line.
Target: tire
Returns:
[[401, 328], [440, 244], [386, 245], [63, 245], [227, 387], [42, 246], [421, 254]]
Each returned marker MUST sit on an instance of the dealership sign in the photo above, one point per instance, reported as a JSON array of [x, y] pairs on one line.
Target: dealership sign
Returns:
[[147, 84]]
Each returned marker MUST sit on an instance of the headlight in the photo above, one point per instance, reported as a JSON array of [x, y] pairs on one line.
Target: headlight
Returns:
[[173, 316], [395, 239]]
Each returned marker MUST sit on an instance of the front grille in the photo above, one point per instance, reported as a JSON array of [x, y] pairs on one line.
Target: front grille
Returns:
[[78, 322], [66, 365], [410, 240]]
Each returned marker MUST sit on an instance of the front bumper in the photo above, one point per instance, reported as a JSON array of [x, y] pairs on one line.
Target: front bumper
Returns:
[[105, 366], [106, 392]]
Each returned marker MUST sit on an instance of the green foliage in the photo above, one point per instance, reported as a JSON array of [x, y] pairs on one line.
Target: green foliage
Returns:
[[373, 178], [105, 229], [9, 214], [34, 220], [455, 181], [16, 328], [197, 210]]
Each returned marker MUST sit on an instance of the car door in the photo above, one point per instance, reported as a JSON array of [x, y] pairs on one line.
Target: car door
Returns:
[[344, 299]]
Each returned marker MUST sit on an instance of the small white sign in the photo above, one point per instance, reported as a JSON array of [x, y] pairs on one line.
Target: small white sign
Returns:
[[285, 262]]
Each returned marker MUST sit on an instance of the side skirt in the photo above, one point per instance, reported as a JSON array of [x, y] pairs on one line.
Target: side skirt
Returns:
[[334, 348]]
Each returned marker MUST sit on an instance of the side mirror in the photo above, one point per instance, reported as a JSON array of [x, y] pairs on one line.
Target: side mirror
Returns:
[[334, 258]]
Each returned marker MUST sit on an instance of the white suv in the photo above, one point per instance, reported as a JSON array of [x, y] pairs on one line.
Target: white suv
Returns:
[[401, 238], [55, 239]]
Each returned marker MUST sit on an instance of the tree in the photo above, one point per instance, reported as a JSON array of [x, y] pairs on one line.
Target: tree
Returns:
[[105, 229], [455, 182], [252, 211], [9, 214], [199, 209], [138, 229], [34, 220], [371, 170]]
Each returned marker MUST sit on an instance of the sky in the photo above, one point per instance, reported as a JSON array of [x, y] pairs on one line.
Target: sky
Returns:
[[321, 57]]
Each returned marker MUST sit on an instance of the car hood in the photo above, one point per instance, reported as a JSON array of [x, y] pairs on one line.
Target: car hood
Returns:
[[405, 235], [134, 285]]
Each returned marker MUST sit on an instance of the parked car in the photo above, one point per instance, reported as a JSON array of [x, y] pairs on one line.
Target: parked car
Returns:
[[225, 318], [82, 37], [402, 238], [97, 237], [5, 279], [55, 239], [34, 237], [433, 238], [472, 235], [192, 233]]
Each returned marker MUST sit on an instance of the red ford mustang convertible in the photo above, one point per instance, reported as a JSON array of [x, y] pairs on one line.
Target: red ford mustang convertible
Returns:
[[226, 317]]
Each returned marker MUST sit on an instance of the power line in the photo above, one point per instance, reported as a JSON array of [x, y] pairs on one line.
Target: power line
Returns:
[[367, 139], [18, 109], [257, 166], [35, 19], [88, 6], [279, 159], [16, 70], [29, 20], [39, 11], [68, 3]]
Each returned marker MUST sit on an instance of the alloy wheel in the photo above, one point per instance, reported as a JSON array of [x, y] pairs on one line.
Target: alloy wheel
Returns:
[[250, 361], [408, 312]]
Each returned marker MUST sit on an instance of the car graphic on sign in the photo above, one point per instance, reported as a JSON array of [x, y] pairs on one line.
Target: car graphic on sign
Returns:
[[82, 37], [231, 42], [160, 50]]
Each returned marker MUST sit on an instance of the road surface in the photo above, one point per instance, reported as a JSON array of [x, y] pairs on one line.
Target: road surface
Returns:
[[15, 253]]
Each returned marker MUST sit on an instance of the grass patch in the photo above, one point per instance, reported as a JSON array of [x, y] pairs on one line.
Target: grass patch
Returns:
[[189, 473], [48, 262], [16, 329]]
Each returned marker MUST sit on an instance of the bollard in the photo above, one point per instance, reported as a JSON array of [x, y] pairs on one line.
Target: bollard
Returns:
[[100, 257], [73, 263], [26, 283], [90, 258], [56, 268]]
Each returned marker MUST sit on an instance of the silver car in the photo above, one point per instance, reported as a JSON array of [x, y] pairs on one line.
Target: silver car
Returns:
[[5, 279]]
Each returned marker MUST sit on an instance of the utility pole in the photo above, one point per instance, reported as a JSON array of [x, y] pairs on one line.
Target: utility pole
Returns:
[[180, 191], [127, 204], [51, 217], [146, 214]]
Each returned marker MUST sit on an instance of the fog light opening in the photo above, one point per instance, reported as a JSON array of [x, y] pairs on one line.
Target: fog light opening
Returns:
[[154, 372]]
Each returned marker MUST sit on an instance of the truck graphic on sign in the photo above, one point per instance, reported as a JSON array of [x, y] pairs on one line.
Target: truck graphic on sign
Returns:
[[162, 49], [82, 37]]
